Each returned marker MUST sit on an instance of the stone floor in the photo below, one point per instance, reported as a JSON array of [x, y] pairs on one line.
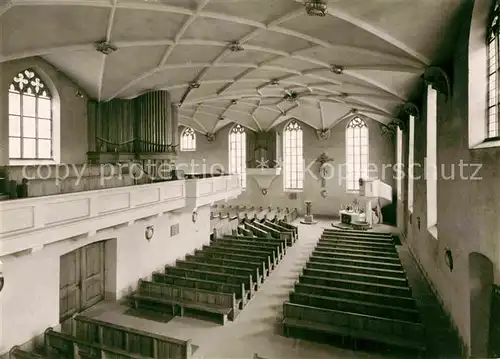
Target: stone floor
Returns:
[[257, 328]]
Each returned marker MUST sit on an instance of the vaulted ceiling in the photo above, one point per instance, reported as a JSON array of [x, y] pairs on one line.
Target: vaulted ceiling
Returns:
[[253, 62]]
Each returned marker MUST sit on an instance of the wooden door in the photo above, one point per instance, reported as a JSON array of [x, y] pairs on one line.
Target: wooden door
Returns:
[[81, 279], [69, 285]]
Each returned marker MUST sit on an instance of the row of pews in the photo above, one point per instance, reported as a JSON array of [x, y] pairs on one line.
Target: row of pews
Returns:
[[218, 280], [354, 286], [91, 338], [225, 218]]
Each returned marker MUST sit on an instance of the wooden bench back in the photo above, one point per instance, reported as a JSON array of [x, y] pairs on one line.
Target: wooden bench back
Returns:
[[130, 339], [356, 285], [356, 262], [356, 306], [183, 294], [65, 346], [355, 322]]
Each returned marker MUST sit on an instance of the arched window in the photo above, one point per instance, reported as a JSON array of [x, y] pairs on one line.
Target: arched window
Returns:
[[293, 164], [357, 152], [493, 125], [31, 129], [188, 139], [238, 153]]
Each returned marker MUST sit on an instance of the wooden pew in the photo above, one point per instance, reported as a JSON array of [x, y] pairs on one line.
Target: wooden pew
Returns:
[[398, 291], [275, 242], [17, 353], [160, 295], [354, 325], [356, 262], [221, 256], [256, 267], [273, 232], [356, 306], [262, 251], [247, 280], [369, 297], [291, 227], [358, 233], [381, 244], [325, 252], [130, 340], [365, 237], [356, 269], [272, 249], [245, 232], [285, 233], [242, 295], [217, 268], [65, 346], [402, 282], [358, 249], [257, 231], [224, 252], [261, 214]]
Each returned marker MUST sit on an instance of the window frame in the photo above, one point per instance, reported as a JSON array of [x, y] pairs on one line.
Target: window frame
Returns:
[[237, 160], [294, 145], [493, 103], [184, 147], [352, 183], [29, 84], [431, 170], [411, 161]]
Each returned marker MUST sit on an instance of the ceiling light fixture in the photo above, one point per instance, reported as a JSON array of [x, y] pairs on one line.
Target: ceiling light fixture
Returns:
[[291, 96], [79, 94], [221, 118], [234, 102], [235, 46], [316, 7], [275, 82], [337, 70], [194, 85], [105, 47]]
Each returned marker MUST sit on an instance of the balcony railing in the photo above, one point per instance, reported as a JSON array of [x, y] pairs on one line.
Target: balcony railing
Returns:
[[31, 223]]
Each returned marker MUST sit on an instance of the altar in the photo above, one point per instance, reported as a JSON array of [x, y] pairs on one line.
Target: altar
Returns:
[[349, 217]]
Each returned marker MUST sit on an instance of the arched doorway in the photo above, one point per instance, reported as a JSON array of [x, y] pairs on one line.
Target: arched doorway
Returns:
[[481, 285]]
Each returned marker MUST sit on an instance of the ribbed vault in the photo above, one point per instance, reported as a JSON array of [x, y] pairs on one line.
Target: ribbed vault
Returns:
[[253, 62]]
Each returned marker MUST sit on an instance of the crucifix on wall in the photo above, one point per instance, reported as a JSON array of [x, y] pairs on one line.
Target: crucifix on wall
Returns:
[[325, 169]]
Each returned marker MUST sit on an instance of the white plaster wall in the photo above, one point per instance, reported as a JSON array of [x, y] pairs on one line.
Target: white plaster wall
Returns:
[[30, 299], [381, 152], [467, 209], [73, 109]]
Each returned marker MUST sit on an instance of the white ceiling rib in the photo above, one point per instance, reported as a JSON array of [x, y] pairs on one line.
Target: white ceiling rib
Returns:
[[283, 50]]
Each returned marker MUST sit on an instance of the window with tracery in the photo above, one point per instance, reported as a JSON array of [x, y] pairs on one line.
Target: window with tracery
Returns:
[[293, 161], [30, 118], [188, 139], [238, 153], [493, 123], [356, 152]]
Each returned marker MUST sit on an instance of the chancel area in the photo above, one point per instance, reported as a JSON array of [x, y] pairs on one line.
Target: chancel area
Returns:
[[249, 179]]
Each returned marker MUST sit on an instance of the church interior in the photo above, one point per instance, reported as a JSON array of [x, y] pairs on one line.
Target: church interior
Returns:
[[249, 179]]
